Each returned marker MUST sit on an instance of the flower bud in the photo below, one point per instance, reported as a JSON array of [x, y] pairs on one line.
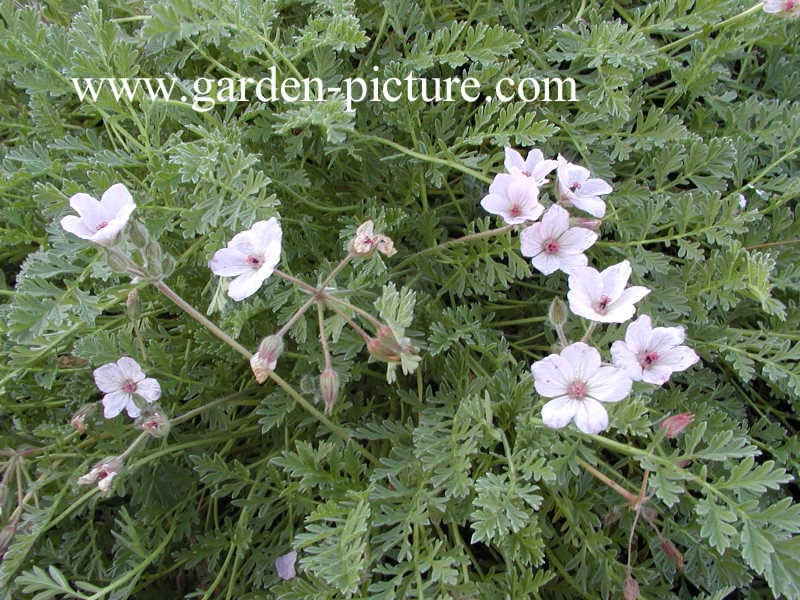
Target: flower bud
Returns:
[[385, 347], [102, 474], [133, 307], [264, 361], [630, 589], [154, 421], [673, 553], [592, 224], [673, 425], [138, 234], [329, 387], [78, 420], [557, 313]]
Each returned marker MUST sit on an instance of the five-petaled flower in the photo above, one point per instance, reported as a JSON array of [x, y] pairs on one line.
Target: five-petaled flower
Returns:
[[652, 354], [554, 245], [514, 197], [602, 296], [100, 221], [284, 564], [783, 8], [577, 384], [102, 474], [576, 188], [122, 382], [250, 257], [534, 166]]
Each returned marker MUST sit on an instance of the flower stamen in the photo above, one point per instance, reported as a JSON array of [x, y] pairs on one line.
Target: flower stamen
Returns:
[[576, 390]]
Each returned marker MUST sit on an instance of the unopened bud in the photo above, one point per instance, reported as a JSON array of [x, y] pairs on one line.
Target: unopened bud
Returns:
[[593, 224], [673, 425], [673, 553], [265, 360], [385, 347], [557, 313], [329, 388], [78, 420], [133, 306], [630, 589], [138, 233], [154, 421]]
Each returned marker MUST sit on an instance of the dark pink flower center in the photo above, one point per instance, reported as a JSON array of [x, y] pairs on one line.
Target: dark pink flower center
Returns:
[[101, 225], [790, 4], [129, 387], [526, 173], [602, 304], [254, 261], [649, 358], [515, 210], [102, 475], [551, 246], [576, 390], [575, 186]]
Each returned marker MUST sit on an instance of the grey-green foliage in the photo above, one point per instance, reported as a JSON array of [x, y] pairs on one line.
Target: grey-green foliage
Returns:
[[697, 128]]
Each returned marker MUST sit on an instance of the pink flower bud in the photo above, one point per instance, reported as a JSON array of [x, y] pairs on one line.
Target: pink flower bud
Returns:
[[264, 361], [675, 424], [593, 224], [329, 387], [557, 313], [78, 420], [630, 589], [673, 553], [155, 422], [102, 474]]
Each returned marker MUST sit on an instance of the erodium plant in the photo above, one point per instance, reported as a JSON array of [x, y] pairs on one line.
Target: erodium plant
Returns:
[[400, 349]]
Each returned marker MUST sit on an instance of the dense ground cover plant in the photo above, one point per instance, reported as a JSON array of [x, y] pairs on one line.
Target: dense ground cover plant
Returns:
[[142, 459]]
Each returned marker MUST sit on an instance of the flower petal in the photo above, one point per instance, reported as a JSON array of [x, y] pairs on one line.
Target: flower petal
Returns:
[[267, 235], [117, 200], [109, 378], [547, 263], [679, 358], [615, 278], [595, 187], [284, 564], [584, 359], [576, 239], [551, 376], [570, 263], [513, 160], [149, 389], [626, 360], [559, 411], [637, 336], [494, 204], [245, 285], [609, 384], [591, 416], [130, 369], [89, 209], [114, 402], [591, 204], [229, 262], [76, 226]]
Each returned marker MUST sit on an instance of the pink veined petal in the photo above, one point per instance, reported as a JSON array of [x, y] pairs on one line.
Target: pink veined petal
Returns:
[[559, 412], [117, 199], [615, 278], [609, 384], [494, 204], [500, 184], [130, 369], [656, 374], [113, 403], [245, 285], [555, 222], [637, 336], [633, 294], [547, 263], [551, 376], [228, 262], [664, 338], [595, 187], [108, 378], [133, 411], [531, 239], [569, 263], [591, 416], [542, 169], [576, 240], [513, 160], [535, 156], [272, 255], [106, 235], [149, 389], [585, 287], [522, 190], [678, 358], [591, 204], [584, 359], [626, 360], [89, 209], [76, 226], [267, 234]]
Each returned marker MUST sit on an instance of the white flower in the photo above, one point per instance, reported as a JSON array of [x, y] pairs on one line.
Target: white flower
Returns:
[[603, 297], [578, 384], [100, 222], [121, 381], [514, 197], [366, 241], [534, 166], [102, 473], [652, 355], [251, 257], [284, 564], [554, 245], [575, 187], [784, 8]]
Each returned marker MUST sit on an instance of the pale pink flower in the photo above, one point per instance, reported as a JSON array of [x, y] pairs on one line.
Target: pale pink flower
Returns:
[[575, 187], [783, 8], [100, 221], [603, 297], [553, 244], [250, 257], [284, 564], [534, 166], [102, 474], [366, 241], [121, 382], [514, 197], [578, 383], [652, 354]]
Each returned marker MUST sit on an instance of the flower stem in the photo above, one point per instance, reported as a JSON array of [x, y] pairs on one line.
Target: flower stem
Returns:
[[323, 336], [630, 497], [705, 31], [589, 331], [465, 238]]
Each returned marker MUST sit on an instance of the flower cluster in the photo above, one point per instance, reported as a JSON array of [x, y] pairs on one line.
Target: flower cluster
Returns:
[[576, 380]]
